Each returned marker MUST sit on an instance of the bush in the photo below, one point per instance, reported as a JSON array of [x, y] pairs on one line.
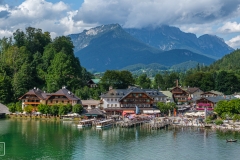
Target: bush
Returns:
[[208, 120], [218, 122]]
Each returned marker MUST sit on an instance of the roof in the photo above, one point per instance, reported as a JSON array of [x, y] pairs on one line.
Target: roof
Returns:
[[121, 93], [65, 92], [188, 89], [95, 111], [90, 102], [4, 109], [95, 81], [216, 92], [192, 89], [167, 93], [39, 93], [218, 98]]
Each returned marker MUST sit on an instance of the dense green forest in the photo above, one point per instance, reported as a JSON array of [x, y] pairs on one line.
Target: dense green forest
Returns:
[[33, 59]]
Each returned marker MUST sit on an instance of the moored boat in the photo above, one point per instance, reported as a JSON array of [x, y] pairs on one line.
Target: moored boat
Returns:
[[104, 123], [86, 123], [231, 140]]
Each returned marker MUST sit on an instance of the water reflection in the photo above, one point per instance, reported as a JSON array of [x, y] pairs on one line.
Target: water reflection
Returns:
[[39, 139]]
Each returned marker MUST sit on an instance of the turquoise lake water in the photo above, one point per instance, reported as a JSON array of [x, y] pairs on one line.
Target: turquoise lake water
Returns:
[[39, 139]]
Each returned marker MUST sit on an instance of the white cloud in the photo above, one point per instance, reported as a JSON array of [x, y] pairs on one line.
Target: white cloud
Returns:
[[198, 29], [137, 13], [234, 42], [230, 27], [53, 17]]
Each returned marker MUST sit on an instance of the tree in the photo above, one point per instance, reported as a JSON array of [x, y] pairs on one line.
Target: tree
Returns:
[[77, 108], [5, 88], [54, 110], [116, 79], [227, 82], [62, 110], [44, 109], [19, 106], [143, 81], [28, 109], [158, 81], [166, 107], [12, 107]]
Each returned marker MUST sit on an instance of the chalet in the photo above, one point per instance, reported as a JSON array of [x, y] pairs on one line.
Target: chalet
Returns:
[[92, 83], [123, 101], [34, 97], [211, 94], [210, 102], [63, 96], [183, 95]]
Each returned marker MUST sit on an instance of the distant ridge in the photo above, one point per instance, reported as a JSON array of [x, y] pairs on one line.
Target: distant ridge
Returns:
[[167, 38], [111, 47]]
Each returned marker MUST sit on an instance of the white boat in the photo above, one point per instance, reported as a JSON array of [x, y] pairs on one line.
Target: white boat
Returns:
[[104, 123], [86, 123]]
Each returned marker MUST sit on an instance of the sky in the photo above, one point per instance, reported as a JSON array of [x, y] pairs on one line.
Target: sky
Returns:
[[215, 17]]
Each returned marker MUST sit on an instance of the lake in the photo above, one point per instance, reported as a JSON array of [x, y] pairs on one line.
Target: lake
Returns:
[[40, 139]]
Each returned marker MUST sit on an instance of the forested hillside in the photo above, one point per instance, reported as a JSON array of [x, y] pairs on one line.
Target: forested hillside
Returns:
[[32, 59], [228, 62]]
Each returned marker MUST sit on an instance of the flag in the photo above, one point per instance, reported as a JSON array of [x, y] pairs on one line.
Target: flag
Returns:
[[137, 110]]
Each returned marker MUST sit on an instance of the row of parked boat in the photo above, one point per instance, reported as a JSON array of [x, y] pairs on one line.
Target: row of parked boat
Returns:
[[98, 124]]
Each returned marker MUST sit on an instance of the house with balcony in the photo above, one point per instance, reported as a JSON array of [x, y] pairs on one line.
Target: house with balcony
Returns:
[[35, 96], [63, 96], [185, 94], [125, 101], [210, 102]]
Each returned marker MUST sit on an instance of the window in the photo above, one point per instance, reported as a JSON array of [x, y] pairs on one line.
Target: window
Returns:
[[107, 99], [111, 99], [111, 105], [56, 101], [116, 100], [107, 105], [115, 105]]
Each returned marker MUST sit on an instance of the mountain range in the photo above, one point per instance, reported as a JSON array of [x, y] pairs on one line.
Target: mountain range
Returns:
[[109, 47]]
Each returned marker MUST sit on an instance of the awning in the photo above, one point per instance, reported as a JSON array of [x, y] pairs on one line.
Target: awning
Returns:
[[151, 111], [127, 111]]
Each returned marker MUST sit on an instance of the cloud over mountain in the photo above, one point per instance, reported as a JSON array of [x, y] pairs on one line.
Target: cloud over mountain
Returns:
[[137, 13]]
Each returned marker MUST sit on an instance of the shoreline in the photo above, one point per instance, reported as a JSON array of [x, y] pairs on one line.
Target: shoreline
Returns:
[[173, 124]]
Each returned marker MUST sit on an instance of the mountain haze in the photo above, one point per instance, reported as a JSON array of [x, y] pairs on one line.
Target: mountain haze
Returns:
[[168, 38], [111, 47]]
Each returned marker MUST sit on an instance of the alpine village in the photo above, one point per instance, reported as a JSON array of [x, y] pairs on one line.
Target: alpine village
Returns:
[[46, 78]]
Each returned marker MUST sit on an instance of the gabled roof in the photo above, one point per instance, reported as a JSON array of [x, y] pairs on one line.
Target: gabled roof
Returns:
[[154, 93], [134, 90], [114, 93], [95, 81], [39, 93], [213, 92], [190, 90], [167, 93], [122, 93], [65, 92], [4, 109], [218, 98]]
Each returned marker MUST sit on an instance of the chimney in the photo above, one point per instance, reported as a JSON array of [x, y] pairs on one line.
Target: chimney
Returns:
[[177, 83], [110, 88]]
